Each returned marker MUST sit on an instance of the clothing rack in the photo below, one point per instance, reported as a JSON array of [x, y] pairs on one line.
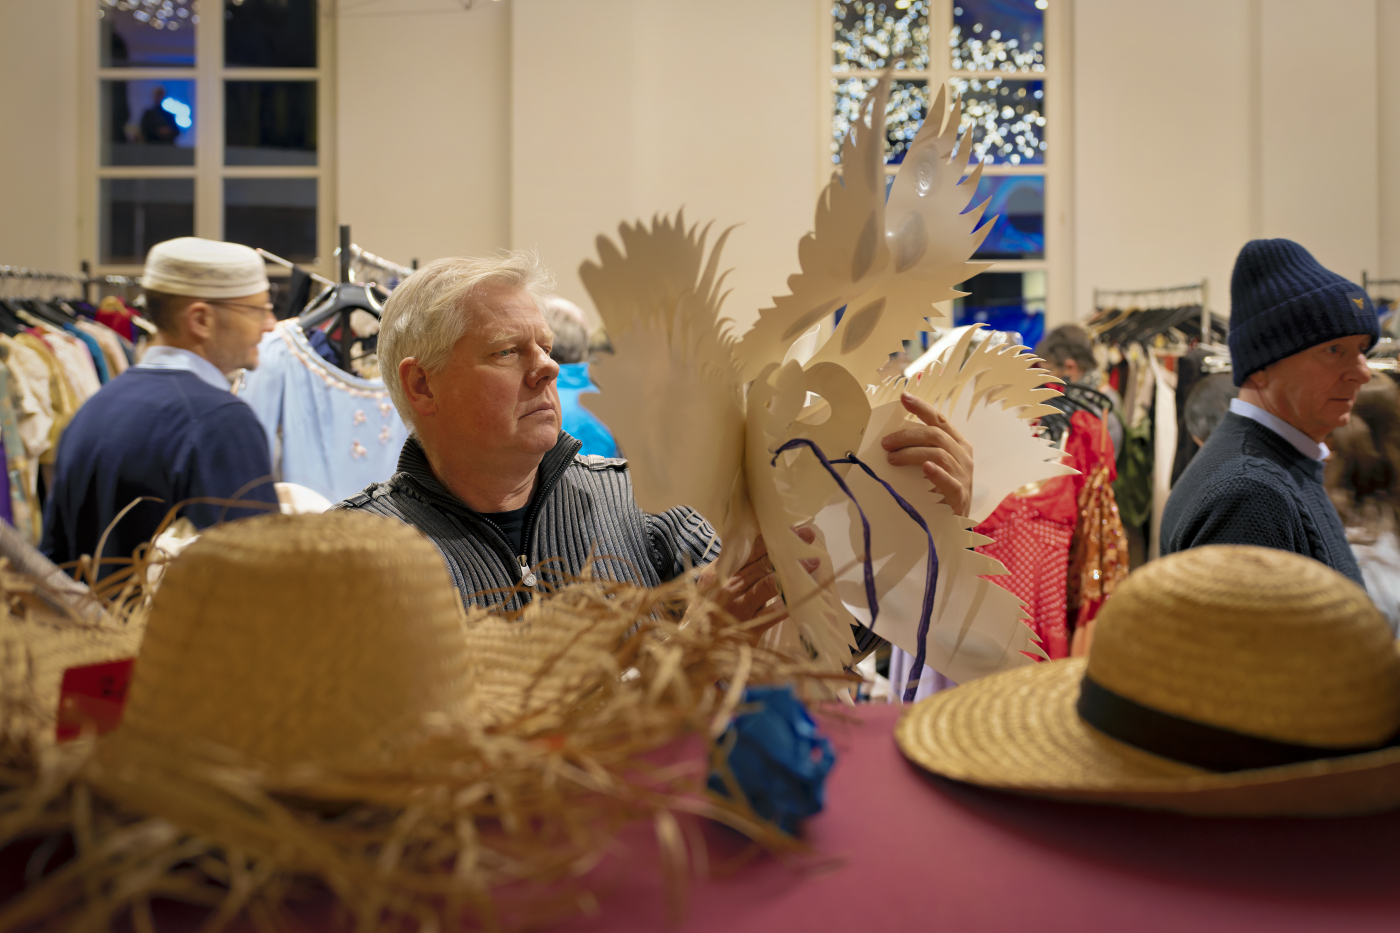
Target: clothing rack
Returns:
[[85, 280], [1174, 296], [1367, 283]]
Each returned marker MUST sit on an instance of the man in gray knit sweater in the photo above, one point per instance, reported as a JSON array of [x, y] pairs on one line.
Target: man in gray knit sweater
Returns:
[[490, 478], [1298, 340]]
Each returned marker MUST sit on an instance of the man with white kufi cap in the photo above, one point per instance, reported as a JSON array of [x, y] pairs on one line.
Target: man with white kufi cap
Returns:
[[169, 429]]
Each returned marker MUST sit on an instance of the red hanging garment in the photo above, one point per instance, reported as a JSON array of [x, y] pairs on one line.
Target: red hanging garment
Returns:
[[1033, 529]]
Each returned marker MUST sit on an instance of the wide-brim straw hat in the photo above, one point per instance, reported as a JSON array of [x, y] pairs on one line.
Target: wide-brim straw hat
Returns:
[[1223, 680]]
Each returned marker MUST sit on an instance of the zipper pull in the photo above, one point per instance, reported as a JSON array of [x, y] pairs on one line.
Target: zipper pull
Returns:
[[527, 576]]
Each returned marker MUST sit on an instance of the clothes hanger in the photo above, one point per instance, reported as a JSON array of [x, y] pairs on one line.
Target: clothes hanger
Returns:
[[343, 300]]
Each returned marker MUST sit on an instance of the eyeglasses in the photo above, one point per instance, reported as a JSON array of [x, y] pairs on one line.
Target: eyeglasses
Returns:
[[266, 308]]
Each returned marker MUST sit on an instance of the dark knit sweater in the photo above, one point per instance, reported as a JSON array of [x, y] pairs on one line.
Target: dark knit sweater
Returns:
[[1248, 485], [582, 508]]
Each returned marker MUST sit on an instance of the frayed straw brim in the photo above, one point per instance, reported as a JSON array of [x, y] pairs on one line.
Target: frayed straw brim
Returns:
[[1020, 731]]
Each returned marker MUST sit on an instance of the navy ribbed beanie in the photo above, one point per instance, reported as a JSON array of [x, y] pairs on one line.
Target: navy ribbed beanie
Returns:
[[1283, 301]]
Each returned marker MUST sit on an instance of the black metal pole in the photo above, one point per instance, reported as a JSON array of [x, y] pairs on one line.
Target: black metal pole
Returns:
[[344, 252]]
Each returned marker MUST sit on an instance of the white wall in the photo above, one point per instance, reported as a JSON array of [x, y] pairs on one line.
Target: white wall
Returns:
[[1202, 124], [424, 128], [628, 108], [1388, 105], [38, 114], [1198, 125]]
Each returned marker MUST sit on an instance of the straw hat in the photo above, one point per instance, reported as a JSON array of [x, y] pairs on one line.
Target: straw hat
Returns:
[[334, 634], [311, 700], [1223, 680]]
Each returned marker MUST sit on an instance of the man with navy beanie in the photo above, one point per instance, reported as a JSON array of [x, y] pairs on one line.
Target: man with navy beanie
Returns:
[[1298, 340]]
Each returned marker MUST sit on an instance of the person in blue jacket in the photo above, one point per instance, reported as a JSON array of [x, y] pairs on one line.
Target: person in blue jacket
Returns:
[[168, 430], [570, 351]]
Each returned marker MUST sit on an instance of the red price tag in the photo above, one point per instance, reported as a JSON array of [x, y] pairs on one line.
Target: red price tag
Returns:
[[92, 697]]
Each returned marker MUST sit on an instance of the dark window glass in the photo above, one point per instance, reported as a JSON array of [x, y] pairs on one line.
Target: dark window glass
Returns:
[[138, 213], [146, 34], [270, 33], [904, 114], [277, 214], [1007, 119], [148, 122], [270, 123], [871, 32], [1009, 301], [998, 35], [1018, 203]]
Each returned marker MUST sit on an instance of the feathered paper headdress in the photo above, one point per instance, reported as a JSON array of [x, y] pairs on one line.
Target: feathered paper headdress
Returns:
[[745, 430]]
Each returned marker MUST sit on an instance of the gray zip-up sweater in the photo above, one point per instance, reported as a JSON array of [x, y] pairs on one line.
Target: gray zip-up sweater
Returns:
[[583, 507]]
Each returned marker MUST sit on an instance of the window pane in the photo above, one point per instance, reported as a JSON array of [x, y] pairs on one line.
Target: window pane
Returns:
[[904, 114], [998, 35], [138, 213], [147, 33], [148, 122], [870, 32], [277, 214], [1018, 203], [1009, 301], [270, 33], [270, 123], [1007, 119]]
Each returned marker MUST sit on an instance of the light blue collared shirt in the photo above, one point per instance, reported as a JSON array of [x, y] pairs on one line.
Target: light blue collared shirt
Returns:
[[1305, 445], [175, 358]]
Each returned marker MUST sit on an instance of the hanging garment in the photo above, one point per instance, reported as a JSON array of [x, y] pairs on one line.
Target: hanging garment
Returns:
[[578, 421], [338, 433], [1378, 556], [1032, 531], [99, 360], [62, 399], [111, 344], [31, 376], [1163, 449], [1099, 555], [17, 505], [1133, 488], [116, 315], [1188, 373]]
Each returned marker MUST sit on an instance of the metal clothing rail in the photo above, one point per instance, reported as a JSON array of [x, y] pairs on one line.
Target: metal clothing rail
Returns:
[[1165, 298], [288, 264], [1367, 283], [85, 279], [365, 257]]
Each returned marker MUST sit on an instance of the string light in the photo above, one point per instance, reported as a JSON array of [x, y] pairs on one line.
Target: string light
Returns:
[[169, 15], [1006, 116]]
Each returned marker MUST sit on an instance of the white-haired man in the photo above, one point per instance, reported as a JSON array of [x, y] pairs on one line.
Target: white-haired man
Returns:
[[491, 479]]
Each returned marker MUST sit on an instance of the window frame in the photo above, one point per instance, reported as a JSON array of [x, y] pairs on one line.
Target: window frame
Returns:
[[209, 171], [1058, 264]]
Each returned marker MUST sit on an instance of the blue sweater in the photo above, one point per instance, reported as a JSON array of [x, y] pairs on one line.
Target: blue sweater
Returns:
[[1248, 485], [151, 432]]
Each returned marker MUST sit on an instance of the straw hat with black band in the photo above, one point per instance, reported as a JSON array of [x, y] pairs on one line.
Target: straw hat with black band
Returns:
[[1223, 680]]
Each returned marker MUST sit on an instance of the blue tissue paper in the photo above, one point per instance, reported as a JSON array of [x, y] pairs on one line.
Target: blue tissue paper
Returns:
[[778, 758]]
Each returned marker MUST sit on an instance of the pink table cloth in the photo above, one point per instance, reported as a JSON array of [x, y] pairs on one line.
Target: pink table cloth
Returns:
[[906, 851], [899, 850]]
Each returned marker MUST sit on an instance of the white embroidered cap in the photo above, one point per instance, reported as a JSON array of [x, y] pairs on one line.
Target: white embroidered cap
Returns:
[[201, 268]]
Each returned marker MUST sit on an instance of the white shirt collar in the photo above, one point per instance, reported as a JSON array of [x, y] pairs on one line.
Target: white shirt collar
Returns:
[[159, 357], [1305, 445]]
